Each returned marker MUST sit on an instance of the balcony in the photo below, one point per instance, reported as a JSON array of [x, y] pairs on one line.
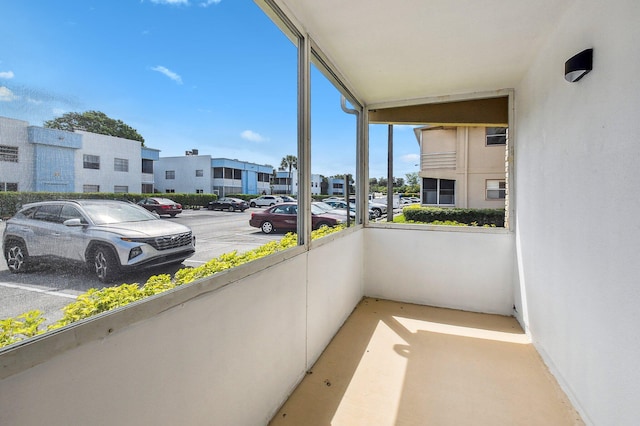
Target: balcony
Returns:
[[230, 349], [396, 363]]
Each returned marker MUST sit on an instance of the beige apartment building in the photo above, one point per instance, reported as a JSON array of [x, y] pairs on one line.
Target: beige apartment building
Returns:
[[463, 166]]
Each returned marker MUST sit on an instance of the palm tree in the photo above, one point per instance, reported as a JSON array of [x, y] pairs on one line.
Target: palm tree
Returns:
[[289, 162]]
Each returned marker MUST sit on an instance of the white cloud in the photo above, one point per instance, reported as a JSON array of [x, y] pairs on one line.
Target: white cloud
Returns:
[[172, 75], [253, 136], [7, 74], [7, 95], [171, 2], [208, 3], [33, 101], [410, 158]]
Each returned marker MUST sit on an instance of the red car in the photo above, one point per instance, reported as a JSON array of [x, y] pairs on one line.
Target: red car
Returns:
[[284, 217], [162, 206]]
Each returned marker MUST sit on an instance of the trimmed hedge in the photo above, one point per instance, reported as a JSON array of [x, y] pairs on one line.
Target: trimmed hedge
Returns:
[[474, 217], [10, 202]]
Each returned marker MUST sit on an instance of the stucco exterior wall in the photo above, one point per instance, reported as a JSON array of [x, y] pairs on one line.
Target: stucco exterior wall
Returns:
[[576, 185], [14, 133], [106, 177], [460, 153], [455, 268], [185, 168]]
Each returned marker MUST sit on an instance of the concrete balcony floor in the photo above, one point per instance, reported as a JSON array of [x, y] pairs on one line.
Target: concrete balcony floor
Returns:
[[403, 364]]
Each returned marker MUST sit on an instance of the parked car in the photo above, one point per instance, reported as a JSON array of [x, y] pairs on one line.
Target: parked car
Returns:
[[265, 201], [284, 217], [162, 206], [109, 237], [287, 199], [229, 204], [378, 209], [342, 205], [329, 209]]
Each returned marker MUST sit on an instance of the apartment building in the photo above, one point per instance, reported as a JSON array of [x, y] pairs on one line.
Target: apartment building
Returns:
[[203, 174], [463, 166], [40, 159], [288, 184]]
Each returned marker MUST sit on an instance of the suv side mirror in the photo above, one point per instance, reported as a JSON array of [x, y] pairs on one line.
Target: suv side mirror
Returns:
[[72, 222]]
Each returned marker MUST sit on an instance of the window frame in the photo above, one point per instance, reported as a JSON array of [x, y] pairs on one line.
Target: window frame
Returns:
[[501, 138], [438, 192], [9, 153], [90, 162], [86, 187], [502, 190], [121, 165], [5, 186], [170, 174]]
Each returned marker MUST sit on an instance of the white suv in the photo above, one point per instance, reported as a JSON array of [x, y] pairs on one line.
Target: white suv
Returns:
[[110, 237], [265, 201]]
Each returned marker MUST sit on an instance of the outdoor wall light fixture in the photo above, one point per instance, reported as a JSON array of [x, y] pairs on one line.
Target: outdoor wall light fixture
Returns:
[[578, 66]]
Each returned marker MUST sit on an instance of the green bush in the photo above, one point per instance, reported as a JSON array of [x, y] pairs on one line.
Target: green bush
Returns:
[[471, 217], [95, 301], [10, 202]]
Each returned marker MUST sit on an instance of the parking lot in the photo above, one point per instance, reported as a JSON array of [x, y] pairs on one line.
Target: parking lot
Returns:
[[49, 287]]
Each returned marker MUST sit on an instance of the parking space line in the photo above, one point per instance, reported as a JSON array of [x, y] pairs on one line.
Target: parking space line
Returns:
[[37, 290]]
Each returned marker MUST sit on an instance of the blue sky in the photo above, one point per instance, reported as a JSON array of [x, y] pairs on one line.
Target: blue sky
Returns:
[[216, 75]]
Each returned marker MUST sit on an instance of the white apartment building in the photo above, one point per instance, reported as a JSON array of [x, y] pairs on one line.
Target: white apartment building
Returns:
[[288, 184], [203, 174], [39, 159]]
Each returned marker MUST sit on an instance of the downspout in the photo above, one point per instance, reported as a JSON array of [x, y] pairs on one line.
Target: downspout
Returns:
[[359, 195]]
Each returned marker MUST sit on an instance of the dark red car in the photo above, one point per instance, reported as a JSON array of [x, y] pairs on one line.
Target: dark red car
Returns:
[[162, 206], [284, 217]]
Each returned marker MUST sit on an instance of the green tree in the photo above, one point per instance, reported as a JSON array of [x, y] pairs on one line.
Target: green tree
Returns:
[[412, 178], [289, 162], [94, 122]]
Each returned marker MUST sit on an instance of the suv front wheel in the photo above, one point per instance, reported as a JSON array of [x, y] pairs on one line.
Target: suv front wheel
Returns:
[[105, 264], [15, 253]]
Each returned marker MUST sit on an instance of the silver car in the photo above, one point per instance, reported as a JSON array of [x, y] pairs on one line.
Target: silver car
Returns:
[[265, 201], [109, 237]]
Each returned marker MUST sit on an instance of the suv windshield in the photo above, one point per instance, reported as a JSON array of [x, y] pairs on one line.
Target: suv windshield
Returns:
[[107, 213]]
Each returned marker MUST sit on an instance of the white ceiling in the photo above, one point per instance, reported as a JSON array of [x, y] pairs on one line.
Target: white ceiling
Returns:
[[394, 50]]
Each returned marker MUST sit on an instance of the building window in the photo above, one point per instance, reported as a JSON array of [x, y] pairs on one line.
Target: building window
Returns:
[[199, 191], [8, 187], [237, 174], [438, 191], [147, 188], [9, 153], [90, 188], [170, 191], [496, 189], [91, 162], [147, 166], [218, 172], [170, 174], [120, 189], [120, 165], [199, 173], [496, 135]]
